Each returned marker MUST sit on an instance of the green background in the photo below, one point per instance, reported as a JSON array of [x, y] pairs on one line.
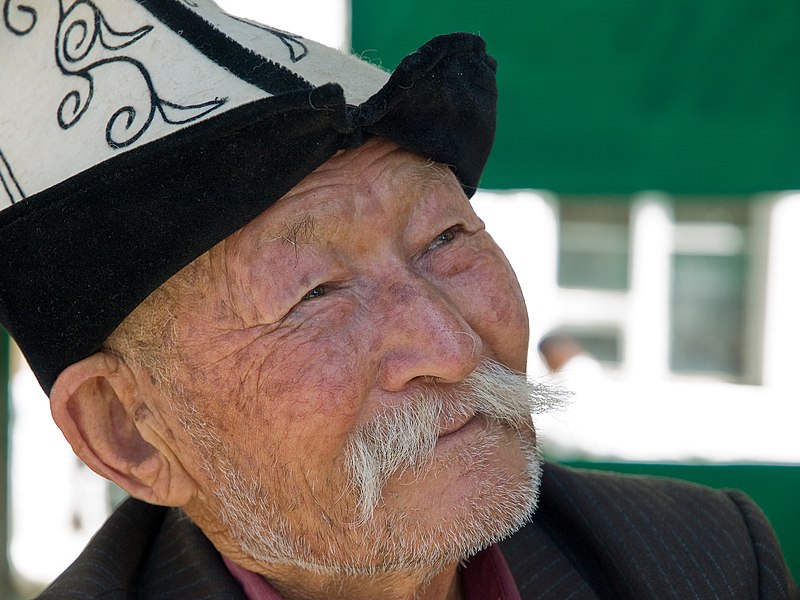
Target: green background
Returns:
[[690, 96]]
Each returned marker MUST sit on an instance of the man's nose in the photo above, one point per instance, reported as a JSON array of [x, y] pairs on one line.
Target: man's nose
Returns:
[[424, 334]]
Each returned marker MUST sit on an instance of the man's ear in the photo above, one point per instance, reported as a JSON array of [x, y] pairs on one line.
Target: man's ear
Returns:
[[95, 402]]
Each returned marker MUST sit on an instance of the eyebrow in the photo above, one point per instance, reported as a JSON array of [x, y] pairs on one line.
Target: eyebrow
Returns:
[[303, 229], [430, 173], [298, 231]]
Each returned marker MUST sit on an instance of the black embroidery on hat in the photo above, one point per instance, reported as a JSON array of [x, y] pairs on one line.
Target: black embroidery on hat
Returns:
[[297, 49], [82, 31], [77, 36], [17, 30], [10, 184]]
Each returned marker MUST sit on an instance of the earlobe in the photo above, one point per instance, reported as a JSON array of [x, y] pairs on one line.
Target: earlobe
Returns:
[[96, 404]]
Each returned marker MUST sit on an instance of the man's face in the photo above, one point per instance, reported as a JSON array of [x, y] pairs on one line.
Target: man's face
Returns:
[[368, 286]]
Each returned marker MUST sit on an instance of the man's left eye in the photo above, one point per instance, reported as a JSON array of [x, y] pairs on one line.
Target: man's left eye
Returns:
[[444, 238], [317, 292]]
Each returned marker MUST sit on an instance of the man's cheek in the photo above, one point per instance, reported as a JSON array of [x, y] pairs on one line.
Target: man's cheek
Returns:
[[489, 294], [309, 383], [494, 307]]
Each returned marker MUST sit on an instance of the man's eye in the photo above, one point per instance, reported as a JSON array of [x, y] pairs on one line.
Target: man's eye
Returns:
[[317, 292], [443, 238]]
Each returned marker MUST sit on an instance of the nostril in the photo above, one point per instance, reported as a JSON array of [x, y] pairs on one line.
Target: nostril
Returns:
[[474, 338], [430, 379]]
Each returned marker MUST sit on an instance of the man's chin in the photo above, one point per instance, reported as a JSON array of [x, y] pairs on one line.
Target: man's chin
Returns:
[[481, 486], [477, 490]]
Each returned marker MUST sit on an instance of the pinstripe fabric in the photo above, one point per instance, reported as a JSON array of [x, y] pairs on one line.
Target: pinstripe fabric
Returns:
[[596, 536], [645, 538], [146, 552]]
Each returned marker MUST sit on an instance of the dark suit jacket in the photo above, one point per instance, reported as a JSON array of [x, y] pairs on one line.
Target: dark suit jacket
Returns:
[[595, 535]]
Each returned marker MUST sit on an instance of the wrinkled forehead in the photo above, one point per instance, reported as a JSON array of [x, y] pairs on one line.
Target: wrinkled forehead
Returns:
[[378, 162], [377, 183]]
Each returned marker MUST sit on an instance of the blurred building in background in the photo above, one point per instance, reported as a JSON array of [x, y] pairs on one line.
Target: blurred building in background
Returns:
[[643, 185], [687, 304]]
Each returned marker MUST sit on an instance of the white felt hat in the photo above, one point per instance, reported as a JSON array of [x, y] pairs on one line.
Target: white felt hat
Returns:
[[136, 134]]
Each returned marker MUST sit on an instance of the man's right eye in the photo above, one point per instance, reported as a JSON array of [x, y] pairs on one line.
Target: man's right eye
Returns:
[[444, 238], [317, 292]]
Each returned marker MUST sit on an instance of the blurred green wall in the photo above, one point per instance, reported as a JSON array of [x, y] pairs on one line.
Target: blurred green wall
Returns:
[[6, 587], [687, 96]]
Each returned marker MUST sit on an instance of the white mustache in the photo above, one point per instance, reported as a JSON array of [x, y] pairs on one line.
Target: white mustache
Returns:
[[403, 438]]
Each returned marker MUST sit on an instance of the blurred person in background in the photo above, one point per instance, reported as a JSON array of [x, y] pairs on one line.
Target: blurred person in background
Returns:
[[564, 354]]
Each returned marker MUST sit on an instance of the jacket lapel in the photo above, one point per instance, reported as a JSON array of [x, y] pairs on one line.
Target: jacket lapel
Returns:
[[184, 564]]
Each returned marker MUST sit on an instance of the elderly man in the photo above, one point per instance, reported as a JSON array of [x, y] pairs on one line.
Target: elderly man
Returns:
[[262, 305]]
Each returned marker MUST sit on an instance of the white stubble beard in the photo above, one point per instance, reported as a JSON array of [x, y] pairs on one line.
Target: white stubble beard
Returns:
[[401, 440]]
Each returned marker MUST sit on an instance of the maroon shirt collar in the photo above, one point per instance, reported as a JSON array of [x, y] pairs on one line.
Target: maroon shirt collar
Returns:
[[486, 576]]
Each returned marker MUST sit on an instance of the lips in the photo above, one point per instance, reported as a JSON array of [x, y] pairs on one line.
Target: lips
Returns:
[[456, 425]]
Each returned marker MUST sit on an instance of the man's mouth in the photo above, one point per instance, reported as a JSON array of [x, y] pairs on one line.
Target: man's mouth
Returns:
[[458, 426]]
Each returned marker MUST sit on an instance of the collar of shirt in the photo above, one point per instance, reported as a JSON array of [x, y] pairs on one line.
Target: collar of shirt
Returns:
[[485, 576], [254, 585]]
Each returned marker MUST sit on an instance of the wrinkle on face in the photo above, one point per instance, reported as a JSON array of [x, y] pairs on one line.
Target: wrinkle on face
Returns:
[[285, 382]]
